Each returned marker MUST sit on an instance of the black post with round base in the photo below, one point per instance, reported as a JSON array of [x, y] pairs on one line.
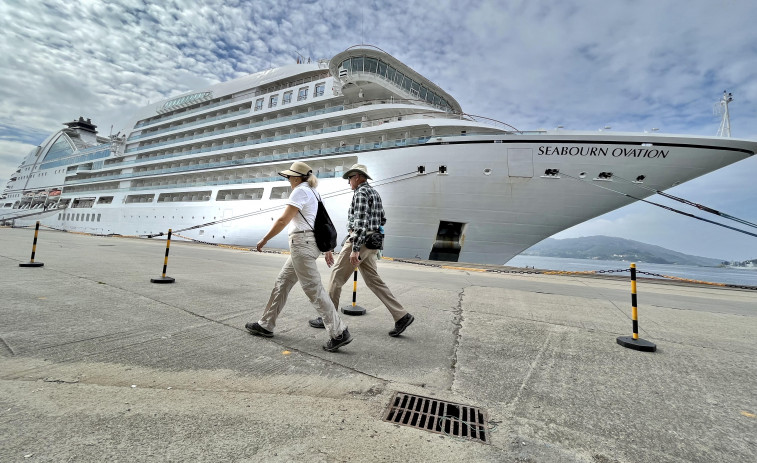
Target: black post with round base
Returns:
[[634, 342], [353, 309], [164, 278], [31, 263]]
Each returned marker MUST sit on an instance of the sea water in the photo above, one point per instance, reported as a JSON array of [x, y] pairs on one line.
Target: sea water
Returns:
[[727, 275]]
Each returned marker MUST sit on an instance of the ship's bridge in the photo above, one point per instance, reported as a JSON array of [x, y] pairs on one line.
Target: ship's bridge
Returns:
[[369, 73]]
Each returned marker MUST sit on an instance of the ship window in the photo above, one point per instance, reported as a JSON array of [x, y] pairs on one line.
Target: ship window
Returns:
[[302, 94], [390, 72], [280, 192], [371, 65], [139, 199], [382, 68], [240, 194], [319, 89], [60, 149], [398, 78], [184, 196], [273, 101], [287, 97], [415, 88], [105, 200], [357, 64], [98, 217], [258, 104], [347, 64], [407, 82]]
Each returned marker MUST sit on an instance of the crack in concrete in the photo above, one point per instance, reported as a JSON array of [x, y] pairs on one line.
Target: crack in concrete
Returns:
[[457, 320], [5, 348]]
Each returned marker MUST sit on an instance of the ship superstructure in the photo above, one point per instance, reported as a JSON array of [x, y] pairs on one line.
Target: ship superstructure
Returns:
[[455, 187]]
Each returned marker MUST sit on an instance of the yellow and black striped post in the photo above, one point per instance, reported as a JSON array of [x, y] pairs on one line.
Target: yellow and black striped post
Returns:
[[634, 342], [164, 278], [354, 309], [31, 263]]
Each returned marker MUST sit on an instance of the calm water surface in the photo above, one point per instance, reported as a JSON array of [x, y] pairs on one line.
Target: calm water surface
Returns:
[[734, 276]]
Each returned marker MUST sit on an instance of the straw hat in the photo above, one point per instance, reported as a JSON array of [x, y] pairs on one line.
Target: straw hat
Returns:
[[297, 169], [359, 168]]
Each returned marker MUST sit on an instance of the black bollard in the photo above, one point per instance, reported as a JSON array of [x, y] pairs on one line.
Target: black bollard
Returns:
[[354, 309], [164, 278], [31, 263], [634, 342]]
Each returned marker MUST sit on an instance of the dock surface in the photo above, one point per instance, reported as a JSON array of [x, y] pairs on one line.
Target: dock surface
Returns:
[[99, 364]]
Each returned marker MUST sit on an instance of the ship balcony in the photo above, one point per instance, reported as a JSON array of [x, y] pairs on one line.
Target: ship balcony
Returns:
[[238, 128]]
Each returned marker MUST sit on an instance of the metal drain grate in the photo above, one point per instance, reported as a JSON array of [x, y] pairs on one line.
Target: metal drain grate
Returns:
[[438, 416]]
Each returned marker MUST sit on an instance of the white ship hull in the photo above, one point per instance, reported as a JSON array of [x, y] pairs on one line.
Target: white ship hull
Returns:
[[484, 195]]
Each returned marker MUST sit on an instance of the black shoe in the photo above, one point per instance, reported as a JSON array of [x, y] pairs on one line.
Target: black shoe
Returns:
[[317, 323], [401, 324], [257, 330], [335, 343]]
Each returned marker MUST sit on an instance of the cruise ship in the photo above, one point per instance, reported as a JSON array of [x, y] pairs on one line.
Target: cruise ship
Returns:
[[455, 186]]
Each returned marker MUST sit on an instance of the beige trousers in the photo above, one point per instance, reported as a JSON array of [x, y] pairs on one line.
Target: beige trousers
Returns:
[[342, 272], [301, 266]]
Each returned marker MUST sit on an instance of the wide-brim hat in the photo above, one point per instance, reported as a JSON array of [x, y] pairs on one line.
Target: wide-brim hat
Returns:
[[359, 168], [297, 169]]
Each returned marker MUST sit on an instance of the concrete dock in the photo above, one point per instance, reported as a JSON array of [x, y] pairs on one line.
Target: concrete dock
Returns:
[[98, 364]]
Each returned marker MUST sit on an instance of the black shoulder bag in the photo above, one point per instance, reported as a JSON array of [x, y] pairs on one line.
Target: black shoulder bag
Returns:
[[323, 228]]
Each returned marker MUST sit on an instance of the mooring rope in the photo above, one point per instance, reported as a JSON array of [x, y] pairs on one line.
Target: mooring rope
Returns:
[[662, 206], [690, 203]]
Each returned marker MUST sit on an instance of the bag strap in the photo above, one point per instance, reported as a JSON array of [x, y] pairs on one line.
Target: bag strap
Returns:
[[318, 198]]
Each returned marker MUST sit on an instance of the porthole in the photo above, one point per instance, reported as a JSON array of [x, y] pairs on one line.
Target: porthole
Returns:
[[582, 175], [487, 171]]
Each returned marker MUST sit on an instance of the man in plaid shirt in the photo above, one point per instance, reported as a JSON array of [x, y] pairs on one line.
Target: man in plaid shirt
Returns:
[[365, 217]]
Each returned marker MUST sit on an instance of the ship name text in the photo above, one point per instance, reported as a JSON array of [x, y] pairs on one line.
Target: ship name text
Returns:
[[603, 151]]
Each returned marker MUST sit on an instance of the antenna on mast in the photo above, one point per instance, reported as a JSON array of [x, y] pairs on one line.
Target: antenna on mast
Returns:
[[721, 108]]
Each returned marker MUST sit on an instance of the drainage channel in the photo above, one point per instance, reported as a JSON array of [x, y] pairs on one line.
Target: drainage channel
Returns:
[[438, 416]]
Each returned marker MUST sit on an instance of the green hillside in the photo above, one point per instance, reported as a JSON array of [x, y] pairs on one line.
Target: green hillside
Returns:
[[612, 248]]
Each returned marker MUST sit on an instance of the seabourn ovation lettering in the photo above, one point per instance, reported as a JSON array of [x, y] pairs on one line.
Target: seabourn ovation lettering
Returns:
[[602, 151]]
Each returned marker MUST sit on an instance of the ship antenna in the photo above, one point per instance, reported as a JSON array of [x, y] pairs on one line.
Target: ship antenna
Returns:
[[721, 108]]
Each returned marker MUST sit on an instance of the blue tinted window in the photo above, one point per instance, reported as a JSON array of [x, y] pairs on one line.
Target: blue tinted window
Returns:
[[60, 149]]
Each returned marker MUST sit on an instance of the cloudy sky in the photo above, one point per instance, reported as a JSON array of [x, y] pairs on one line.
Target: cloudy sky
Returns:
[[583, 64]]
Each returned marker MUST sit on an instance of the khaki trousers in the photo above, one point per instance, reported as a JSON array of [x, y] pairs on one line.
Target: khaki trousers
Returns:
[[301, 266], [342, 272]]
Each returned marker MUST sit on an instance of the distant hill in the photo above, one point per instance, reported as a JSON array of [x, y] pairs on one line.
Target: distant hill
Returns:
[[612, 248]]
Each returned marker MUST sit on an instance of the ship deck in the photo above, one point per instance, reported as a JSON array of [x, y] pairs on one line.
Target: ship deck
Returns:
[[98, 364]]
